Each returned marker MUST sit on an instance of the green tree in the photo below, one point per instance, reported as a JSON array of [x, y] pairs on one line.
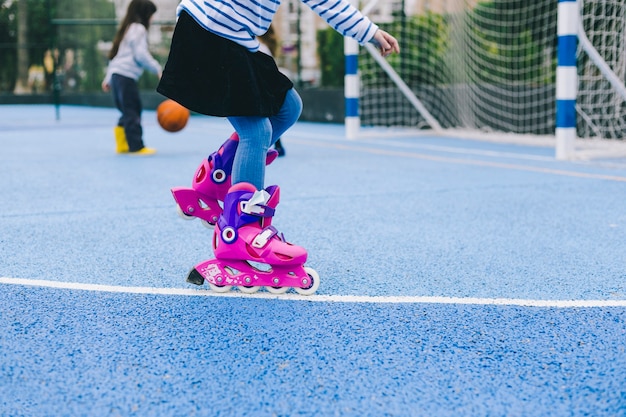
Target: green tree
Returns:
[[421, 61], [62, 24], [21, 84], [332, 61], [79, 26], [512, 52], [8, 44], [35, 29]]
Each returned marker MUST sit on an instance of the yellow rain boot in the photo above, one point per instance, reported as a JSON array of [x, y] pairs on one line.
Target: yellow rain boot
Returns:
[[121, 146], [144, 151]]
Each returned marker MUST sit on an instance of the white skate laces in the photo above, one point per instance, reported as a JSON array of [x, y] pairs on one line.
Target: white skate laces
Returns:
[[256, 204]]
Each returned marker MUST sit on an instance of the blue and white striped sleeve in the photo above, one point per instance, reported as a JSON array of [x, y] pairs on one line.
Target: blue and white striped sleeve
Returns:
[[236, 20], [344, 18]]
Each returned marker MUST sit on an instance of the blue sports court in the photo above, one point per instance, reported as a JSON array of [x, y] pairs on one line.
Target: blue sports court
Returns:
[[458, 278]]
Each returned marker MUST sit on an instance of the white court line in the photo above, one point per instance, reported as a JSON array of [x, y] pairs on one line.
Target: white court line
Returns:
[[317, 298], [413, 145], [473, 162]]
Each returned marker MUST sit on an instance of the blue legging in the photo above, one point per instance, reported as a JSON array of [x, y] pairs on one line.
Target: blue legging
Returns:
[[256, 135]]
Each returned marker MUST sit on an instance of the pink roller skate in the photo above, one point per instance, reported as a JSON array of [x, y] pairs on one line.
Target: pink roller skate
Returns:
[[210, 184], [249, 251]]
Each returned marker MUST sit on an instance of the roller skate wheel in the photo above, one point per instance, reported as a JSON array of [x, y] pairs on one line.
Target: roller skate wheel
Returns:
[[220, 288], [208, 224], [182, 214], [277, 290], [313, 282], [229, 234], [219, 176], [249, 290]]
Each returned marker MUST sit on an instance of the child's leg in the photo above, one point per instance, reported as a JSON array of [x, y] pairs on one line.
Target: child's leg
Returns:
[[128, 101], [287, 116], [255, 134]]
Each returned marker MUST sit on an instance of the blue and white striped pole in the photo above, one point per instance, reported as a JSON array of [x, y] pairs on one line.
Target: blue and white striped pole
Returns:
[[352, 88], [566, 78]]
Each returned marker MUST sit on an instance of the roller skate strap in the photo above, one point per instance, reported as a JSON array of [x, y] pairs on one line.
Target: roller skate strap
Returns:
[[262, 238], [257, 205]]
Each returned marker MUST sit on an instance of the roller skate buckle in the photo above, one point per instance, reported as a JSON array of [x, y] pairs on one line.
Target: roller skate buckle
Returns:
[[192, 204], [262, 238]]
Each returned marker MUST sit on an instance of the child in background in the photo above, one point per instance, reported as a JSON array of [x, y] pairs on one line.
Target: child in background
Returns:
[[129, 57], [215, 68]]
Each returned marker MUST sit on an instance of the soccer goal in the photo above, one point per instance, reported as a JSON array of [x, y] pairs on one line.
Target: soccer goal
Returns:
[[537, 72]]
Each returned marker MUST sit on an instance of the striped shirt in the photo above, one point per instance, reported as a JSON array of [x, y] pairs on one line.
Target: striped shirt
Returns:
[[241, 21]]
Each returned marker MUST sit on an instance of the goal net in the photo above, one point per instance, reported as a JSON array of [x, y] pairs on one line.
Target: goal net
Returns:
[[602, 68], [488, 69]]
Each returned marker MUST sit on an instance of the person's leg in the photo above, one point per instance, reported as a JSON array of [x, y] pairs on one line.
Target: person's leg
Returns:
[[255, 134], [287, 116], [121, 145], [117, 97], [278, 147], [128, 101]]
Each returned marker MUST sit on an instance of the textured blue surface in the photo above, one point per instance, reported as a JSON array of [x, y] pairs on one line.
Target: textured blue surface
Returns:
[[418, 216], [152, 355]]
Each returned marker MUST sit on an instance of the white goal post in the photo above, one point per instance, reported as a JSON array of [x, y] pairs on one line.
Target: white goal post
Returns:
[[526, 71]]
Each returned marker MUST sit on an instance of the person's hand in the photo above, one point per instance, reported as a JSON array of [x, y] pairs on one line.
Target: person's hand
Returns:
[[106, 87], [386, 43]]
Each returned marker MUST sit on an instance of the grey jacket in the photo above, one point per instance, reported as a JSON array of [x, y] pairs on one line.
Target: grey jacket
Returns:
[[133, 55]]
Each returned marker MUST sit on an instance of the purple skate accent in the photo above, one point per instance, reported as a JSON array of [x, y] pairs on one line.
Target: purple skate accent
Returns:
[[241, 273], [241, 236], [272, 154], [272, 202], [249, 255], [223, 160], [234, 214], [231, 215], [219, 166], [212, 178], [212, 182]]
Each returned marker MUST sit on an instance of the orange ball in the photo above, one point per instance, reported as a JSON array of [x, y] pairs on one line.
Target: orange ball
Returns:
[[172, 116]]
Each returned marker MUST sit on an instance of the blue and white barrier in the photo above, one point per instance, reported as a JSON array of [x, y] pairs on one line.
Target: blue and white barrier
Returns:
[[351, 88], [566, 78]]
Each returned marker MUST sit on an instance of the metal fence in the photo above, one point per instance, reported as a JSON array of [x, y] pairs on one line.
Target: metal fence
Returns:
[[62, 46]]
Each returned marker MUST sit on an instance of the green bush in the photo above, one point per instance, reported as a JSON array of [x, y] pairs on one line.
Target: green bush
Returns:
[[58, 25], [511, 53], [332, 61]]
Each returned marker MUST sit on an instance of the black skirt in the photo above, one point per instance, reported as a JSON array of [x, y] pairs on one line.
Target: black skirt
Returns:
[[212, 75]]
